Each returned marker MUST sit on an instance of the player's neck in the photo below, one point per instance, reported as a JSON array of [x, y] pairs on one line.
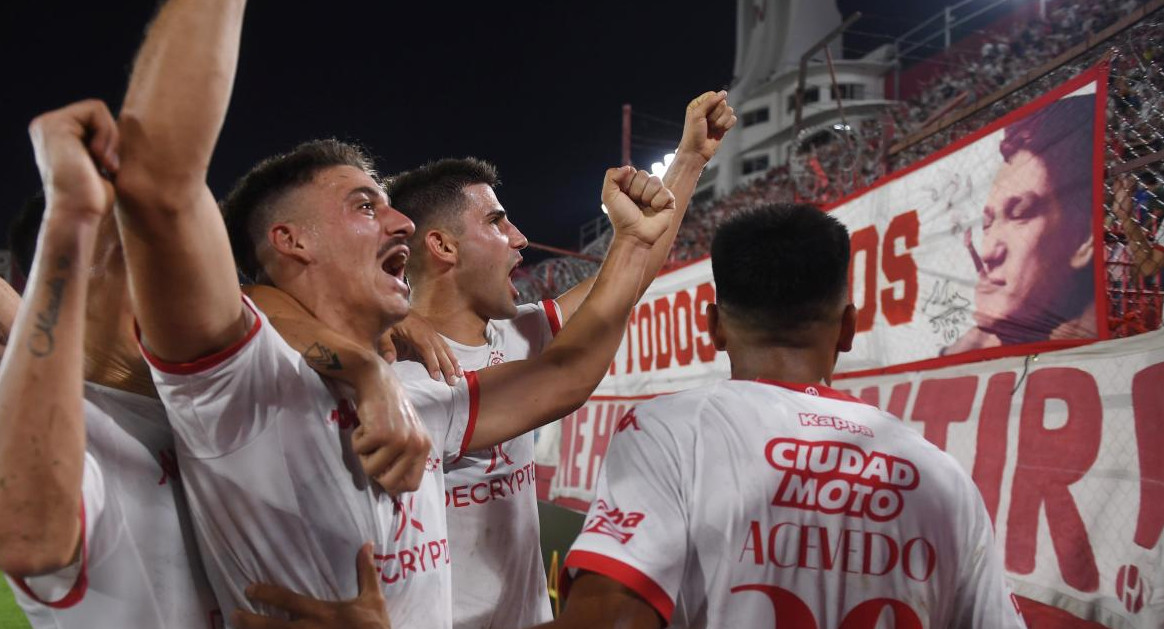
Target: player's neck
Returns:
[[449, 312], [809, 365], [362, 325], [112, 358]]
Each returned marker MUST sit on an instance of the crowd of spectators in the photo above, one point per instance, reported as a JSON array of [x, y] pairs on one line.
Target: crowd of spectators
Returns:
[[825, 171]]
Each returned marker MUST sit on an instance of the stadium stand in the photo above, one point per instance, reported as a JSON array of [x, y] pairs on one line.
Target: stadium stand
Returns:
[[1019, 60]]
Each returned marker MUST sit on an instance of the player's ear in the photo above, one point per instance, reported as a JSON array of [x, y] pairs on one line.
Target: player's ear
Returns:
[[441, 245], [290, 240], [848, 328], [715, 329], [1084, 255]]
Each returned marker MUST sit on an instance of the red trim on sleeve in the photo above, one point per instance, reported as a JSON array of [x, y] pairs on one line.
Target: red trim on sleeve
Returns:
[[551, 308], [474, 406], [1157, 246], [627, 575], [80, 586], [206, 362]]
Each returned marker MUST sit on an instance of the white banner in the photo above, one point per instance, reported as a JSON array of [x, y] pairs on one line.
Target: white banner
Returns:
[[1066, 447]]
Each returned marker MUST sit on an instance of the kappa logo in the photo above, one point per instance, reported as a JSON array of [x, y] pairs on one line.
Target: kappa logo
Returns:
[[431, 464], [497, 452], [839, 423], [628, 421], [613, 522], [344, 415], [1131, 588], [407, 516], [496, 357]]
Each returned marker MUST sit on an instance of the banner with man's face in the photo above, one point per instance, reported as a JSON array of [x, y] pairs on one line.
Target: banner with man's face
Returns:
[[991, 247]]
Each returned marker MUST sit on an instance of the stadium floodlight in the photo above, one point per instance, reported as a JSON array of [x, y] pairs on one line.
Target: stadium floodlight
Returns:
[[659, 169]]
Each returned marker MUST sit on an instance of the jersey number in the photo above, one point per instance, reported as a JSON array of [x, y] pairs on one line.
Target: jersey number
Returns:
[[793, 612]]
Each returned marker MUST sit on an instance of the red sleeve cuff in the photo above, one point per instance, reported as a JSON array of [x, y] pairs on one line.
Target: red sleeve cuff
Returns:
[[551, 308], [629, 576], [206, 362], [474, 406], [80, 586]]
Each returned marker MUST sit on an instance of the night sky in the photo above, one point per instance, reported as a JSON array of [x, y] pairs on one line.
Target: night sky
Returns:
[[535, 87]]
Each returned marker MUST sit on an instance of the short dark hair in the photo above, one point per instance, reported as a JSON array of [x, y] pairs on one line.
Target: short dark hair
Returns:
[[1061, 136], [779, 268], [24, 232], [434, 193], [249, 208]]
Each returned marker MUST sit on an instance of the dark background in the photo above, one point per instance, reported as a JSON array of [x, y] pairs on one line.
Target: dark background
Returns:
[[535, 87]]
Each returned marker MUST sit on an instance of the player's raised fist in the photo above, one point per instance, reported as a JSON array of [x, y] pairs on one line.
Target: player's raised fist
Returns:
[[640, 206], [709, 117], [72, 145]]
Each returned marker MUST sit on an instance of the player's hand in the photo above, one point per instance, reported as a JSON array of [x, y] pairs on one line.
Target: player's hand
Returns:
[[640, 206], [391, 441], [366, 611], [70, 145], [709, 117], [415, 339]]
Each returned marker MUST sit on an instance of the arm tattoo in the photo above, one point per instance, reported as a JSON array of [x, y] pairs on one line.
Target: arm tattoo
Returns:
[[321, 357], [43, 342]]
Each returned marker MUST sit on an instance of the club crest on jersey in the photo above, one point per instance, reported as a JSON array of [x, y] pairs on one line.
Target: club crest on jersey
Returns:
[[838, 477], [611, 521], [496, 357]]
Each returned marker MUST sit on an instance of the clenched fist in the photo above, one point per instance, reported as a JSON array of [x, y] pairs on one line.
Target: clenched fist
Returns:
[[640, 206]]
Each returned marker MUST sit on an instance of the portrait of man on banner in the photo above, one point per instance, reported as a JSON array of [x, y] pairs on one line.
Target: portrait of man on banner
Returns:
[[1036, 254]]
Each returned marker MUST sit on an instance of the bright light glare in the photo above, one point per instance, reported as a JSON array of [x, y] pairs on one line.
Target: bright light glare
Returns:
[[658, 169]]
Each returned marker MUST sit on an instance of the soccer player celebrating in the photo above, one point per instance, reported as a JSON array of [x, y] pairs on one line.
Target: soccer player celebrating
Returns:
[[281, 472], [771, 497], [464, 250], [95, 531]]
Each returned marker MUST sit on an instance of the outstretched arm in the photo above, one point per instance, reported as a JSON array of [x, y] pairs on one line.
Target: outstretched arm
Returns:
[[598, 601], [708, 118], [42, 420], [182, 276], [519, 396]]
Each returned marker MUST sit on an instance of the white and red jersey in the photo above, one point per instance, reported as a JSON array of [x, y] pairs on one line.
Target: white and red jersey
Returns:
[[743, 504], [277, 495], [138, 566], [499, 579]]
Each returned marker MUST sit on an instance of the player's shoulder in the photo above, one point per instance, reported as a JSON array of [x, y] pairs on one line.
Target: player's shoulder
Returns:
[[681, 408]]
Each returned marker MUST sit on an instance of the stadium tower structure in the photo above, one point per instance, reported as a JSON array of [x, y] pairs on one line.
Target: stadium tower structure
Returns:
[[771, 37]]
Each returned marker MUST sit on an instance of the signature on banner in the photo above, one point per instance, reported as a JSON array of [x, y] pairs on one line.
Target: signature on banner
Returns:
[[947, 311]]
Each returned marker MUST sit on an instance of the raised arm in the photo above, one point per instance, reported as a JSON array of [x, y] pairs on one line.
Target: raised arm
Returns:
[[708, 118], [42, 421], [519, 396], [182, 276]]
